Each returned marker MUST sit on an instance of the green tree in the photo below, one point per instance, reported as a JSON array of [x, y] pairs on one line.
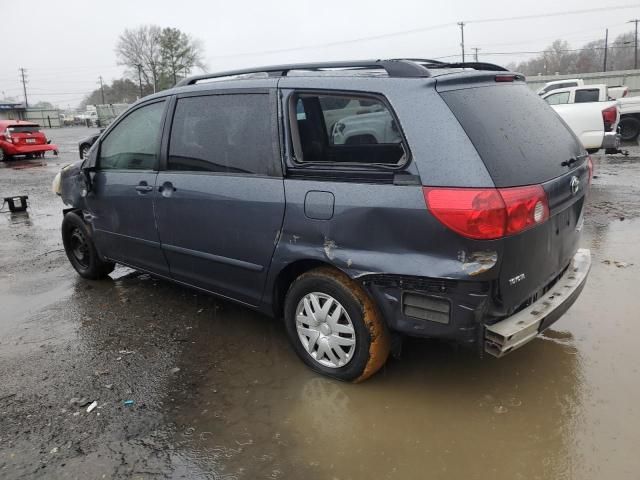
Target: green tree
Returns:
[[120, 91], [179, 53]]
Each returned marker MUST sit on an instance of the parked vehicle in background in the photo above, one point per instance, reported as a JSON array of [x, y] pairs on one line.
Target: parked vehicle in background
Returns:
[[18, 138], [629, 118], [460, 225], [85, 144], [589, 113], [615, 92]]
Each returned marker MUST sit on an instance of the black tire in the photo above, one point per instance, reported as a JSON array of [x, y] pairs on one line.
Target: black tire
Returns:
[[591, 151], [372, 339], [629, 129], [4, 157], [80, 249]]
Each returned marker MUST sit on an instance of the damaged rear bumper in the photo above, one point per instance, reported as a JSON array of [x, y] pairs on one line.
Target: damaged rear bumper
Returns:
[[513, 332]]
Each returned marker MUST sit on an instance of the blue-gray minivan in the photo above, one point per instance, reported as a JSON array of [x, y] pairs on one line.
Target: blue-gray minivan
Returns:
[[359, 201]]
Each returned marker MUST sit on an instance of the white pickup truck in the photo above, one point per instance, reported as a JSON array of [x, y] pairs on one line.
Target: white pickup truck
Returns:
[[616, 92], [590, 113]]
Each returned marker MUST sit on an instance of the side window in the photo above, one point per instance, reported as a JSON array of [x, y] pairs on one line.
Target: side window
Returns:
[[345, 129], [587, 95], [557, 98], [227, 133], [133, 143]]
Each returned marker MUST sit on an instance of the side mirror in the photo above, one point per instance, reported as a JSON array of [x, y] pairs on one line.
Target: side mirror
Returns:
[[89, 167]]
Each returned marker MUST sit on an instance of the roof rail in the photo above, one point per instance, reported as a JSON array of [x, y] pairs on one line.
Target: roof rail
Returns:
[[397, 67]]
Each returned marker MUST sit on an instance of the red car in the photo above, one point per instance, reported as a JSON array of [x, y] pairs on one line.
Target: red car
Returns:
[[18, 137]]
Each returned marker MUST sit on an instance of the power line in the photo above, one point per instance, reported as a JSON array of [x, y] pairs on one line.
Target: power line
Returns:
[[421, 30], [554, 14]]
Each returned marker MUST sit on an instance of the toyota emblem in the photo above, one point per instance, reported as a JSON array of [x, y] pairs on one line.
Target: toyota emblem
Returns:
[[574, 184]]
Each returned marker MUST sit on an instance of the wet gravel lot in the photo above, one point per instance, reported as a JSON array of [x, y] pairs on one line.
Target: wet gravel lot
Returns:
[[189, 386]]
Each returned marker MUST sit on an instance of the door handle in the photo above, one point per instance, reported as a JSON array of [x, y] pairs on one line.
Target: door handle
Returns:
[[144, 188]]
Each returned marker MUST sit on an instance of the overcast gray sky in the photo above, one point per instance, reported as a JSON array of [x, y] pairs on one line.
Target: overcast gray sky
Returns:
[[66, 45]]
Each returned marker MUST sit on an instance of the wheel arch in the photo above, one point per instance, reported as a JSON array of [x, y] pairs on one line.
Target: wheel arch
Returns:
[[287, 275]]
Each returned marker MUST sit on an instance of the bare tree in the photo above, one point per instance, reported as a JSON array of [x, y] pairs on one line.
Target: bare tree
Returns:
[[161, 56], [561, 58], [139, 48]]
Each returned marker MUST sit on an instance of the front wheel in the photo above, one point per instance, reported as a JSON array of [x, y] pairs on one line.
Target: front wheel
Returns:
[[80, 249], [334, 326], [4, 157]]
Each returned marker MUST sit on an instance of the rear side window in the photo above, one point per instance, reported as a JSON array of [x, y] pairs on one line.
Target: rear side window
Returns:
[[521, 140], [557, 98], [230, 133], [345, 129], [590, 95], [134, 142]]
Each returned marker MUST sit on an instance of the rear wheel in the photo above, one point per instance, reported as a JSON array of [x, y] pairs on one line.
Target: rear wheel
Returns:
[[80, 249], [334, 326], [629, 128], [593, 150]]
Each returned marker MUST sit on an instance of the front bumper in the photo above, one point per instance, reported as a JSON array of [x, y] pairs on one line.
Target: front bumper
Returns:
[[611, 140], [513, 332]]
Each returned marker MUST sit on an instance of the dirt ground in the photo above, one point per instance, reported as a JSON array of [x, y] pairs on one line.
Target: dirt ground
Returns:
[[189, 386]]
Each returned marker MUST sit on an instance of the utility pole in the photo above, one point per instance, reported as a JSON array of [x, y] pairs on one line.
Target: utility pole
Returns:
[[24, 87], [140, 78], [102, 89], [475, 53], [635, 43], [606, 49], [461, 24]]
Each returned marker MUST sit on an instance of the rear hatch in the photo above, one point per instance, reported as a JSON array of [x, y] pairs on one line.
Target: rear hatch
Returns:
[[26, 135], [523, 142]]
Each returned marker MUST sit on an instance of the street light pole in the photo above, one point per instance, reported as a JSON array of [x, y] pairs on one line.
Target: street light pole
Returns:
[[101, 89], [461, 24], [635, 43], [606, 48], [140, 78]]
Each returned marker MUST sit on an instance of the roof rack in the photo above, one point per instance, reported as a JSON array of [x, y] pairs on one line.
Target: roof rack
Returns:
[[397, 67]]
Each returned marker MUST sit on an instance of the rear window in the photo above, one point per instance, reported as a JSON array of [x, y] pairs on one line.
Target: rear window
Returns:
[[519, 137], [23, 128], [584, 96]]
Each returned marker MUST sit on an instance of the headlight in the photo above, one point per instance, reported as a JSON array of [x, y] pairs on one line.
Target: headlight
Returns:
[[56, 184]]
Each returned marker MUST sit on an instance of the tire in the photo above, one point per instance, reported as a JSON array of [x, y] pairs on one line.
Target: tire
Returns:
[[629, 129], [591, 151], [351, 324], [80, 249], [4, 157]]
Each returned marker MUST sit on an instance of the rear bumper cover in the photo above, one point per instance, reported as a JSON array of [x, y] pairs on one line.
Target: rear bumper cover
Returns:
[[11, 149], [513, 332], [611, 140]]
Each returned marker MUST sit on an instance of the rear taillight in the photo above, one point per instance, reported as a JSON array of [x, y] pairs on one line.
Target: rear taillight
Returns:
[[609, 117], [488, 213]]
